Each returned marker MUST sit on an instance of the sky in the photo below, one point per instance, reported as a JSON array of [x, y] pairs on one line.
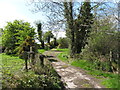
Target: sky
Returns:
[[17, 9], [11, 10]]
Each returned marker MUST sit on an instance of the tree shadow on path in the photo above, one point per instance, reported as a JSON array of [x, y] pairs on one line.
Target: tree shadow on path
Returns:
[[52, 60]]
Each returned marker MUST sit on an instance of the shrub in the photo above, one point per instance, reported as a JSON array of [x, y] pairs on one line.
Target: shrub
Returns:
[[63, 43]]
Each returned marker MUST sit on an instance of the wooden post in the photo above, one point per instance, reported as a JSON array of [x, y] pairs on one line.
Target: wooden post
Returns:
[[26, 67], [41, 60], [30, 49], [111, 61], [25, 57], [32, 55]]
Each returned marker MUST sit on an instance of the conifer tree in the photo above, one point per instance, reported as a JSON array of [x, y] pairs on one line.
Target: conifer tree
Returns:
[[39, 30], [82, 26]]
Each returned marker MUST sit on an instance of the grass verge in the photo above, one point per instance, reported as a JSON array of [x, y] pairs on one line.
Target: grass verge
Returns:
[[41, 50], [63, 55], [109, 80]]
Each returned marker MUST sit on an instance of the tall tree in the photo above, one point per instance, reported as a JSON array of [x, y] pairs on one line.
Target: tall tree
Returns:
[[79, 28], [83, 26], [70, 14], [40, 36]]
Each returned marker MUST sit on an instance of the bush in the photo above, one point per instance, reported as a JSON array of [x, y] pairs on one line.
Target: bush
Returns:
[[37, 77], [63, 43], [47, 46], [25, 47]]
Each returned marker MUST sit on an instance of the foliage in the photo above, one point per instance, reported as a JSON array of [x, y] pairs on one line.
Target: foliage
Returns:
[[47, 46], [15, 77], [111, 83], [14, 34], [41, 50], [54, 43], [1, 31], [47, 36], [83, 26], [63, 43], [103, 46], [63, 55], [10, 65], [25, 47], [39, 31], [79, 28], [110, 80], [91, 68]]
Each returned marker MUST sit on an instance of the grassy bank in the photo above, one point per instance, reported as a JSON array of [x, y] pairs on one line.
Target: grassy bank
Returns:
[[109, 80], [39, 77], [41, 50], [63, 55]]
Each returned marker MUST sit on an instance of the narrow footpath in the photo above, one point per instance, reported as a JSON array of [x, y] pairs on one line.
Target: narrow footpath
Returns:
[[73, 77]]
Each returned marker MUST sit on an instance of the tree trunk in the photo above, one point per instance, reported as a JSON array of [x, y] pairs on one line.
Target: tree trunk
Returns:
[[42, 44], [68, 13], [111, 67]]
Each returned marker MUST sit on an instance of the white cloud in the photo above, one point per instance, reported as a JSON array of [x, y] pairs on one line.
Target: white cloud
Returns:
[[61, 34]]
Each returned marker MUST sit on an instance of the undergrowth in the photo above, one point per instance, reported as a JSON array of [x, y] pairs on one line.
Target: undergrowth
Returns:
[[110, 80], [14, 76]]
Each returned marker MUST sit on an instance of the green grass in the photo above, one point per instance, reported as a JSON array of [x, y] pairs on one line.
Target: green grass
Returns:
[[82, 64], [11, 65], [63, 56], [12, 62], [41, 50], [111, 83], [13, 75], [62, 50], [109, 80]]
